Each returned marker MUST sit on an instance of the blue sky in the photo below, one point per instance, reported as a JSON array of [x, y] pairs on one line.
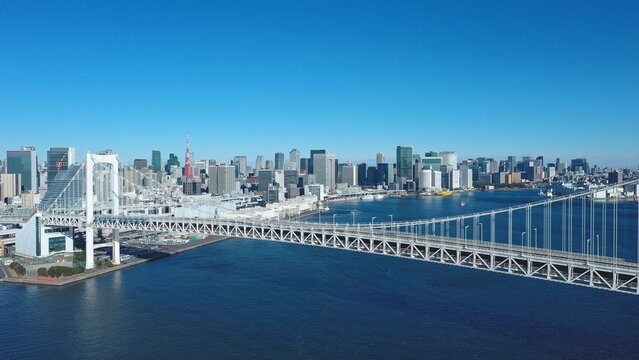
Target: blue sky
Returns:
[[485, 78]]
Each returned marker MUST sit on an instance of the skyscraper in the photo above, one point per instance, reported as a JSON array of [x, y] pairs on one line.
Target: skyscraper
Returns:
[[449, 159], [384, 174], [349, 174], [294, 158], [156, 161], [221, 179], [265, 178], [405, 162], [511, 163], [172, 161], [380, 158], [59, 159], [259, 163], [25, 163], [324, 170], [240, 166], [311, 168], [10, 185], [279, 161]]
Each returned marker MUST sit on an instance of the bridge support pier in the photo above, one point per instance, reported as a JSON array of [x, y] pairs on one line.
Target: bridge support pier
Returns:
[[89, 262], [116, 248]]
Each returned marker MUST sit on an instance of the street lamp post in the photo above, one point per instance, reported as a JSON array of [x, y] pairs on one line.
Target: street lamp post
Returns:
[[373, 219], [588, 251], [522, 241], [481, 232], [353, 213], [535, 230], [391, 216], [334, 219]]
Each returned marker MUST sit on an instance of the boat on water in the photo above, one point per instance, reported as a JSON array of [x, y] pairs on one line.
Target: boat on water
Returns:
[[445, 193], [379, 197], [368, 197]]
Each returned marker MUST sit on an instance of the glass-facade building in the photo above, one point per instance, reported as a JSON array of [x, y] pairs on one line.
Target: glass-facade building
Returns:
[[156, 161], [405, 162], [59, 159], [25, 163]]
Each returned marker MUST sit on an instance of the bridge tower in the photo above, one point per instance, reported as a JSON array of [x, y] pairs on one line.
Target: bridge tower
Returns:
[[92, 160]]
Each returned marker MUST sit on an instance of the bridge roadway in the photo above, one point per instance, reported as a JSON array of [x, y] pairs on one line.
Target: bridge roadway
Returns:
[[553, 265]]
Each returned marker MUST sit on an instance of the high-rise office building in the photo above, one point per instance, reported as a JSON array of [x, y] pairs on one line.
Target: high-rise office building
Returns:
[[156, 161], [259, 163], [278, 178], [290, 178], [466, 178], [25, 163], [294, 159], [221, 179], [454, 180], [615, 177], [324, 170], [405, 162], [304, 164], [265, 178], [361, 175], [172, 161], [580, 164], [311, 168], [449, 159], [59, 159], [371, 175], [139, 164], [380, 158], [279, 161], [511, 163], [425, 179], [240, 166], [10, 185], [437, 180], [349, 174], [384, 174]]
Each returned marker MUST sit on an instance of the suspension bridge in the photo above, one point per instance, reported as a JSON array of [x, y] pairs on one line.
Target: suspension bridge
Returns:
[[583, 239]]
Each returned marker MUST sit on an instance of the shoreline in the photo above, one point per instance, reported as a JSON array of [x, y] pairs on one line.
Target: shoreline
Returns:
[[97, 272]]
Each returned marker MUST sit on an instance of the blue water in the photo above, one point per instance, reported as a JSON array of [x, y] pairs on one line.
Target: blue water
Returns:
[[253, 299]]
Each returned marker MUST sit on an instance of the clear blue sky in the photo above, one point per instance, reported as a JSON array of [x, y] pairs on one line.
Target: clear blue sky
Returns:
[[485, 78]]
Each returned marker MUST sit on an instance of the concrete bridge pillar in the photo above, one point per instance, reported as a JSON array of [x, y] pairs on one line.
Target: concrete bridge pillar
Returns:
[[89, 263]]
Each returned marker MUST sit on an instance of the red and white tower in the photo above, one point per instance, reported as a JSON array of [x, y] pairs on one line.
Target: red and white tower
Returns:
[[188, 172]]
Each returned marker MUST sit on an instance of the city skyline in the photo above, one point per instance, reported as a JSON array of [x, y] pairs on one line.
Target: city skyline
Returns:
[[236, 77], [305, 153]]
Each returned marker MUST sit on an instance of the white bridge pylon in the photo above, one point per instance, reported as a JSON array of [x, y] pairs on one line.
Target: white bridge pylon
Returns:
[[92, 160]]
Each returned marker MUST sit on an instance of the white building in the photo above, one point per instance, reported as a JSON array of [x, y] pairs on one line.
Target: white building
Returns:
[[316, 190], [279, 178], [454, 180], [36, 240], [425, 178], [437, 180], [449, 158], [10, 185], [466, 178]]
